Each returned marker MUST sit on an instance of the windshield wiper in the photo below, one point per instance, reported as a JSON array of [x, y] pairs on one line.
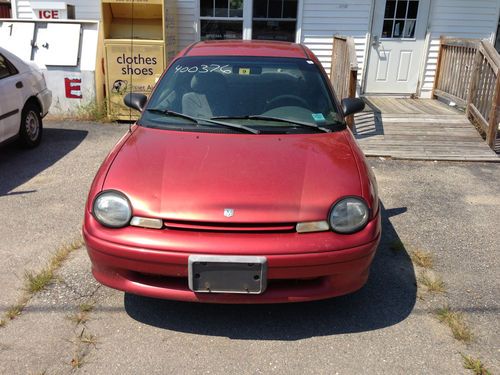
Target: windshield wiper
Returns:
[[278, 119], [209, 122]]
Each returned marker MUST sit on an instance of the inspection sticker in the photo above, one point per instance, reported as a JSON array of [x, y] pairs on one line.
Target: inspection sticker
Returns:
[[318, 117], [245, 71]]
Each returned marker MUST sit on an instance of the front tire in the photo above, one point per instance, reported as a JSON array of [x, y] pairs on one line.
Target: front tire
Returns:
[[30, 131]]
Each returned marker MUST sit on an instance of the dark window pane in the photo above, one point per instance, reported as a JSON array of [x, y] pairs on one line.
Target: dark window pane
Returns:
[[387, 29], [401, 9], [274, 30], [236, 8], [221, 9], [390, 8], [398, 28], [290, 9], [409, 29], [4, 69], [275, 8], [259, 8], [206, 8], [413, 9], [221, 29]]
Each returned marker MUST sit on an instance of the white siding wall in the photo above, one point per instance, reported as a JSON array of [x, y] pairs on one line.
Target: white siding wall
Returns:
[[457, 18], [321, 19], [84, 9], [186, 21]]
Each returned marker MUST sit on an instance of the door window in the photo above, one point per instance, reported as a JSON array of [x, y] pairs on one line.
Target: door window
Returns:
[[400, 19], [6, 68], [221, 19], [274, 20]]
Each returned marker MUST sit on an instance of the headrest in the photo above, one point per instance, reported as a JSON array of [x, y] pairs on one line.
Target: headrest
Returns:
[[203, 82]]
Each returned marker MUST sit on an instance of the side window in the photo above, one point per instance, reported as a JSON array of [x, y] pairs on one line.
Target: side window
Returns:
[[6, 68]]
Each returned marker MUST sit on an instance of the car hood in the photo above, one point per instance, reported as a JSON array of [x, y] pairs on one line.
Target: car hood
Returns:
[[264, 178]]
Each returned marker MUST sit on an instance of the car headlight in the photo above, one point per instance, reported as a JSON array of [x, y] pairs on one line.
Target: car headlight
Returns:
[[112, 209], [349, 215]]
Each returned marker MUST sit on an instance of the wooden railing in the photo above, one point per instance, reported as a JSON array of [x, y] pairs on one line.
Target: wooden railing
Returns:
[[344, 71], [467, 73]]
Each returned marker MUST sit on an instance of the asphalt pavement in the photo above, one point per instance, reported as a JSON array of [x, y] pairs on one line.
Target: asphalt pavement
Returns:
[[388, 327]]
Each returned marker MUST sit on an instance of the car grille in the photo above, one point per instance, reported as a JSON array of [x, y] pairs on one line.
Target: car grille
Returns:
[[225, 227]]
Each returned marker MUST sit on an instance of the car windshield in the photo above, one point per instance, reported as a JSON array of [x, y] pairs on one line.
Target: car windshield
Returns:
[[239, 93]]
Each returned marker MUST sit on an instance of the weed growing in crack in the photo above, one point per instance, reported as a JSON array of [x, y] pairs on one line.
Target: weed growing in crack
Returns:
[[475, 365], [432, 282], [421, 258], [456, 322]]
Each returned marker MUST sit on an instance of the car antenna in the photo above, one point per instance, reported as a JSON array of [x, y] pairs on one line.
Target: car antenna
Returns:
[[131, 70]]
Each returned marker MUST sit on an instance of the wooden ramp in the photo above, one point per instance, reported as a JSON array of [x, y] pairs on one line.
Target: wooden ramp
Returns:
[[420, 129]]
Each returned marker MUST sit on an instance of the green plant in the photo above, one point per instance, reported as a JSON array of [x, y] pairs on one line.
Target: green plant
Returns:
[[456, 322], [475, 365]]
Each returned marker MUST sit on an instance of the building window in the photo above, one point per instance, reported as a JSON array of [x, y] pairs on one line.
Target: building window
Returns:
[[221, 19], [400, 19], [274, 20]]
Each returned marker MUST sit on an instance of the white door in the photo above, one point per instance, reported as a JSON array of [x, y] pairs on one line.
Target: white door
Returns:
[[397, 46], [10, 100]]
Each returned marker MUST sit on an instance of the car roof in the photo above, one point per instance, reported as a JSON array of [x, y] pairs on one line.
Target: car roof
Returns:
[[247, 48]]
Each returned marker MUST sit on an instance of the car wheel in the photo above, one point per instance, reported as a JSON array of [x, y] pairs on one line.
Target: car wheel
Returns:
[[30, 132]]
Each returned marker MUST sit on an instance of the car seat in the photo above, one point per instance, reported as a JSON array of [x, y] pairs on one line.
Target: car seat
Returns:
[[207, 98]]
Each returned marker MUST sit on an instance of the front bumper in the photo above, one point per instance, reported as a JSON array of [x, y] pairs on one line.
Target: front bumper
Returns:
[[45, 98], [294, 275]]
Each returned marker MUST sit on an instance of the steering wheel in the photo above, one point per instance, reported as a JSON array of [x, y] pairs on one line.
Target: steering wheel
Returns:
[[286, 100]]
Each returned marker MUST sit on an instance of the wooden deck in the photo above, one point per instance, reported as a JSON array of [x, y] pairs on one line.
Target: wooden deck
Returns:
[[419, 129]]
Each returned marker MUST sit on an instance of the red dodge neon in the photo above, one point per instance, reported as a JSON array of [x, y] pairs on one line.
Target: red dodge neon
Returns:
[[240, 183]]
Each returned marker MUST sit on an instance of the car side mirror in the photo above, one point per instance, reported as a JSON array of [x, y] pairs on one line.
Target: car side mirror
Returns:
[[135, 100], [352, 105]]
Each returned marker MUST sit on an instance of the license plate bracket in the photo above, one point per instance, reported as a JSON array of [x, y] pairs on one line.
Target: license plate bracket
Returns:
[[227, 274]]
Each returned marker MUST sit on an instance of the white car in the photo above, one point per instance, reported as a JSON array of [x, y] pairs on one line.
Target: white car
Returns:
[[24, 100]]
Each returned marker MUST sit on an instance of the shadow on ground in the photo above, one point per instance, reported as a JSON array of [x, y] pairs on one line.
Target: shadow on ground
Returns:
[[386, 299], [18, 165]]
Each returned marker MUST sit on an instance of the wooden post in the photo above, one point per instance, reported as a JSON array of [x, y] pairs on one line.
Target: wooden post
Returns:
[[474, 77], [491, 134]]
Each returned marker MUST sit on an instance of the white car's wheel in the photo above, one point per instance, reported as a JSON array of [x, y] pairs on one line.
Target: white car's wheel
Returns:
[[30, 132]]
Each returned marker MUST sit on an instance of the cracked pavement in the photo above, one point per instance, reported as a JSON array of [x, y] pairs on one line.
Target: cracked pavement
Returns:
[[449, 209]]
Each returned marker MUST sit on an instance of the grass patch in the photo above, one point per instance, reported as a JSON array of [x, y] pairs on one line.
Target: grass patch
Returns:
[[88, 339], [456, 322], [86, 307], [92, 111], [77, 360], [14, 311], [35, 282], [397, 246], [474, 365], [433, 283], [80, 317], [422, 258]]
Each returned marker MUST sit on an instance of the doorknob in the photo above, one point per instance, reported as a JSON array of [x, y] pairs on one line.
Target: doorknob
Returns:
[[375, 41]]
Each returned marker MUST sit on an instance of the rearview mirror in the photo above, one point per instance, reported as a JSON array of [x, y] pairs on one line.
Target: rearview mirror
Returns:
[[352, 105], [135, 100]]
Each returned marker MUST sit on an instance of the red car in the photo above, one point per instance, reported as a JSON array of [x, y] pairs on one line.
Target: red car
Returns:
[[240, 183]]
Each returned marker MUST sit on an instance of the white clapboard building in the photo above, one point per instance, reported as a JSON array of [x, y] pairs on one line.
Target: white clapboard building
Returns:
[[396, 40]]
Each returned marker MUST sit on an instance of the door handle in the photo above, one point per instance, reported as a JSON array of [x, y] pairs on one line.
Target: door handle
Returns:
[[19, 84], [375, 41]]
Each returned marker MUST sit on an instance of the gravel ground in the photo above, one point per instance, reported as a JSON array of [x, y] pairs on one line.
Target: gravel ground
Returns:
[[388, 327]]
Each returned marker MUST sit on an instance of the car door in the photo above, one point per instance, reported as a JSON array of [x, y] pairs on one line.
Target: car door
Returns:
[[11, 100]]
